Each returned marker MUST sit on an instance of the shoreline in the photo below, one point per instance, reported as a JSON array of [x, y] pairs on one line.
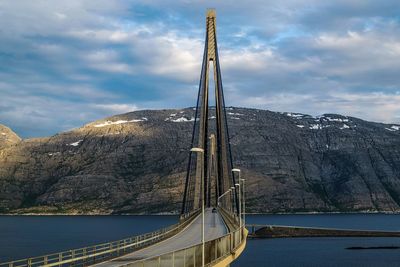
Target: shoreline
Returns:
[[177, 214]]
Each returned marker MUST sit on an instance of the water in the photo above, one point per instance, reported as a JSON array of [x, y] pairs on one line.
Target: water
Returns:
[[25, 236], [390, 222], [324, 252]]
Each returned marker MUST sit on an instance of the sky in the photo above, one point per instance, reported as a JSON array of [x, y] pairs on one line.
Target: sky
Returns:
[[66, 63]]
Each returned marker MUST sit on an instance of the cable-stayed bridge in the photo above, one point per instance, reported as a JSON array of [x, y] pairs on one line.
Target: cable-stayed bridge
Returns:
[[211, 230]]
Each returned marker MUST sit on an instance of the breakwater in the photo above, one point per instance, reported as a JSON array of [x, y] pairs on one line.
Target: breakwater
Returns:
[[278, 231]]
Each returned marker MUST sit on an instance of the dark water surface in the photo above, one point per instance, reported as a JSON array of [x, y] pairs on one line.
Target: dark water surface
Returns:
[[324, 252], [327, 251], [25, 236]]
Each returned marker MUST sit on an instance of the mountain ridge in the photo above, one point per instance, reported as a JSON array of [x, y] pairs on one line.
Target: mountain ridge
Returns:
[[135, 163]]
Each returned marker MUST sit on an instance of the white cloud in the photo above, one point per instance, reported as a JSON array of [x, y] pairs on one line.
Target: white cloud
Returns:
[[376, 106], [307, 56], [116, 108], [108, 61], [173, 56]]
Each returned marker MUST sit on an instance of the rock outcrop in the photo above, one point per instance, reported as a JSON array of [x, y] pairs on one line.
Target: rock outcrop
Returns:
[[135, 163], [7, 137]]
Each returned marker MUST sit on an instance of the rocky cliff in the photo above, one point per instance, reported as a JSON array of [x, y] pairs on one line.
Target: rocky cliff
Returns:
[[7, 137], [135, 163]]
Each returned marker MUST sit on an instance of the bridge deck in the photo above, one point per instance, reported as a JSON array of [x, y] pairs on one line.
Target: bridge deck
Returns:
[[190, 236]]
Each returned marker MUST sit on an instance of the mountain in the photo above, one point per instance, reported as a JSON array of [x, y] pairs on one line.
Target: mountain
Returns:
[[7, 137], [136, 163]]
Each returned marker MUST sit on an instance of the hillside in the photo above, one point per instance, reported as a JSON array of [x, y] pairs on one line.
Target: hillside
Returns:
[[7, 137], [135, 163]]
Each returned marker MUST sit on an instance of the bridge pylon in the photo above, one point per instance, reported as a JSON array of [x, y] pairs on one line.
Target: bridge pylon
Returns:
[[210, 133]]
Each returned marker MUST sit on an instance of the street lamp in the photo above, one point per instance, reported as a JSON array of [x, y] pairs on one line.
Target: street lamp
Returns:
[[232, 197], [241, 220], [240, 202], [240, 205], [240, 214], [200, 152], [244, 202], [223, 195]]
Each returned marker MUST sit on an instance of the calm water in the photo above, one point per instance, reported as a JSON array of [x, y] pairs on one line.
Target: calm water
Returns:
[[24, 236], [324, 252]]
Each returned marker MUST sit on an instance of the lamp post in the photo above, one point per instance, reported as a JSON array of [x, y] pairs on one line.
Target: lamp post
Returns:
[[240, 205], [240, 213], [240, 201], [244, 202], [200, 152], [232, 198], [223, 195]]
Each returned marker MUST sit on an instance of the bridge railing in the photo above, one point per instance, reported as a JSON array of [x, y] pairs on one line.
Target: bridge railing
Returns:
[[215, 251], [98, 253], [230, 219]]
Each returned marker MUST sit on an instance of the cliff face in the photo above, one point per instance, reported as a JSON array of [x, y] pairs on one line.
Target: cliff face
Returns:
[[7, 137], [135, 163]]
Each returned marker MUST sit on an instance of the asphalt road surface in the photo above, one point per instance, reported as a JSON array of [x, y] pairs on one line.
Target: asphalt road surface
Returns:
[[214, 227]]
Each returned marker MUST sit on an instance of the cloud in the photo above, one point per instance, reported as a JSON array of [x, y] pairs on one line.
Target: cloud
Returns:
[[376, 106], [107, 61], [81, 60], [116, 108]]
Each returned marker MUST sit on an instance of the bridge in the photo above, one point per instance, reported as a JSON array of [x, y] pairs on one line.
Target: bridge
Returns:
[[210, 231]]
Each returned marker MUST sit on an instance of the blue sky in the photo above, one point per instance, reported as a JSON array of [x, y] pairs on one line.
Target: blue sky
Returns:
[[66, 63]]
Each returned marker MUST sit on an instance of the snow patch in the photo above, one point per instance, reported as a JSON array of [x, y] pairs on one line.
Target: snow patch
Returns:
[[336, 119], [75, 143], [235, 114], [318, 126], [182, 119], [295, 115], [393, 128], [108, 123], [54, 153], [300, 126], [315, 126]]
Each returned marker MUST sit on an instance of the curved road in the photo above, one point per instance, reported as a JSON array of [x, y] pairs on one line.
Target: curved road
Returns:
[[214, 227]]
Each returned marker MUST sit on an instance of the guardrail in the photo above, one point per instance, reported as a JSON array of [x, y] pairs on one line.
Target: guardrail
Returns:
[[231, 221], [215, 251], [98, 253]]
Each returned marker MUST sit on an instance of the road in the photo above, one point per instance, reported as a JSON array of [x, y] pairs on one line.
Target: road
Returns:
[[190, 236]]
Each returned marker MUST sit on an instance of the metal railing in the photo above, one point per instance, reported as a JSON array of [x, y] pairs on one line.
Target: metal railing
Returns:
[[215, 251], [98, 253], [230, 219]]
